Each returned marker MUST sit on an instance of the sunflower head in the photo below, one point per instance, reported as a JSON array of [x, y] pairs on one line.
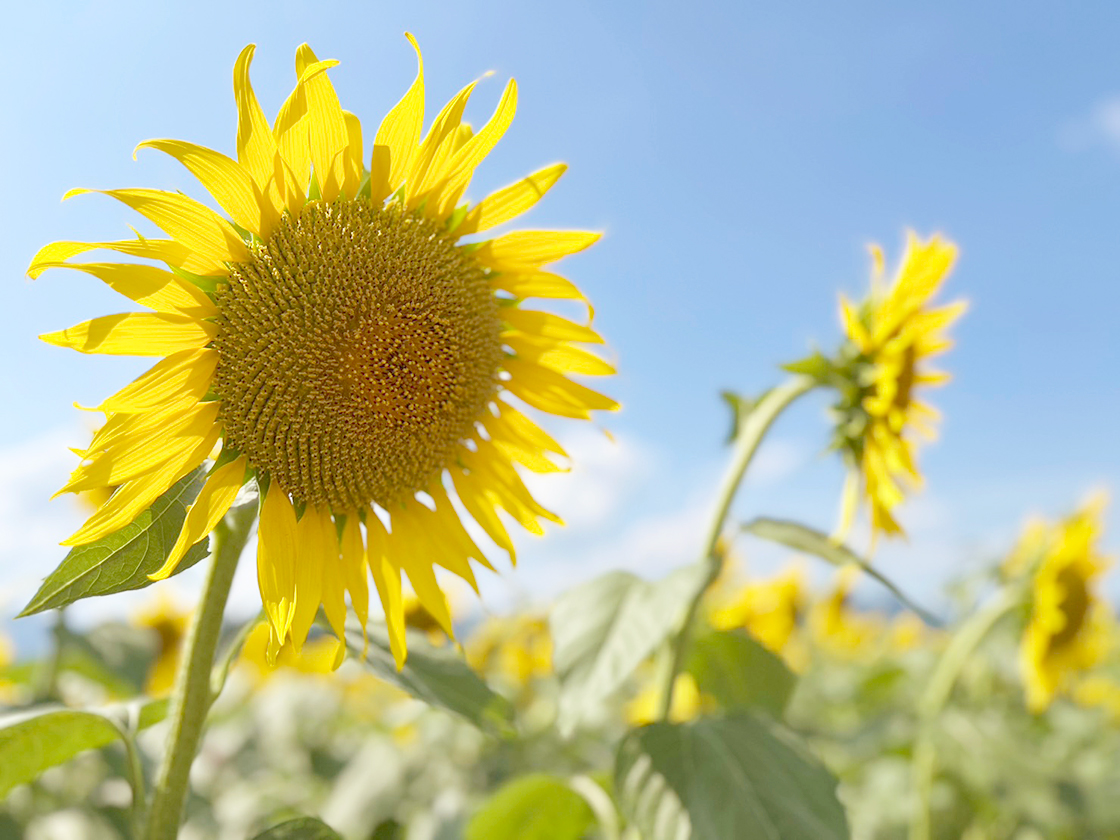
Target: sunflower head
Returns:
[[879, 373], [346, 333], [1070, 626], [769, 610]]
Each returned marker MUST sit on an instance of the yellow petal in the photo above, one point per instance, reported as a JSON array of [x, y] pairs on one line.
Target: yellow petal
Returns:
[[428, 165], [463, 161], [418, 526], [121, 425], [256, 147], [547, 390], [501, 480], [387, 579], [334, 577], [230, 183], [139, 454], [517, 448], [166, 250], [446, 519], [529, 249], [403, 546], [276, 560], [312, 552], [185, 374], [213, 501], [481, 508], [327, 130], [395, 145], [355, 153], [354, 569], [558, 356], [510, 202], [546, 325], [147, 285], [521, 426], [136, 496], [195, 225], [135, 334], [292, 128]]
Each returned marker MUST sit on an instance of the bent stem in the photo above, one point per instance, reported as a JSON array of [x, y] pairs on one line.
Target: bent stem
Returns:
[[750, 434], [192, 696], [940, 688]]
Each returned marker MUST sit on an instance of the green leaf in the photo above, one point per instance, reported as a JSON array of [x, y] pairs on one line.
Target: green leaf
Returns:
[[740, 407], [438, 676], [816, 365], [533, 807], [302, 828], [604, 629], [718, 778], [123, 560], [31, 742], [740, 673], [803, 538]]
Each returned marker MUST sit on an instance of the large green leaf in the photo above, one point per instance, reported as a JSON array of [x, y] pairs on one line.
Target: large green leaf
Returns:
[[718, 778], [602, 630], [31, 742], [740, 673], [533, 807], [439, 676], [803, 538], [124, 559], [302, 828]]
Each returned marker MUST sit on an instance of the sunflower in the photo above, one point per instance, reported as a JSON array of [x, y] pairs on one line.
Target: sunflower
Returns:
[[169, 623], [1069, 627], [890, 338], [770, 610], [348, 340]]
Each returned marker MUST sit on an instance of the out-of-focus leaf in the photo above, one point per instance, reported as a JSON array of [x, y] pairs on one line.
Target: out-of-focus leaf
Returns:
[[740, 673], [123, 560], [718, 778], [803, 538], [438, 676], [31, 742], [740, 407], [533, 807], [302, 828], [388, 830], [816, 365], [602, 630], [117, 655]]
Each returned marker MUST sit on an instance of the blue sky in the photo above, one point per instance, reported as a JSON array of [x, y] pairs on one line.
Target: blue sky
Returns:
[[739, 157]]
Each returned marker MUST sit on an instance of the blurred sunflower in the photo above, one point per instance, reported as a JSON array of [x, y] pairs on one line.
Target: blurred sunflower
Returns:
[[891, 336], [768, 609], [838, 628], [518, 648], [1070, 626], [343, 345], [169, 623]]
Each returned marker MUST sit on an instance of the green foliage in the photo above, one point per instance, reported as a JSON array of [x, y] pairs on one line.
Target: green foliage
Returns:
[[533, 807], [31, 742], [438, 676], [604, 629], [302, 828], [740, 673], [725, 777], [123, 560]]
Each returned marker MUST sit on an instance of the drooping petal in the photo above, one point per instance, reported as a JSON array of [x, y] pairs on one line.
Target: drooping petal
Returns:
[[314, 532], [276, 564], [147, 285], [406, 547], [510, 202], [194, 224], [530, 249], [354, 568], [387, 579], [334, 577], [212, 503], [136, 496], [135, 334], [398, 137], [471, 493]]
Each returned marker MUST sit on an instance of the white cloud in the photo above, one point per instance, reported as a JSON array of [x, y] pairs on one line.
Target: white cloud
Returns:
[[1100, 127]]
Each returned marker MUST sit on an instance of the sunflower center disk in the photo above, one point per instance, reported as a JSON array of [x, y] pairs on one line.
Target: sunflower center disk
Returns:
[[356, 350]]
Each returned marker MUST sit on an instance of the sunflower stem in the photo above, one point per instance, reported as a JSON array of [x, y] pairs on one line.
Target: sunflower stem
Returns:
[[936, 696], [192, 696], [752, 430]]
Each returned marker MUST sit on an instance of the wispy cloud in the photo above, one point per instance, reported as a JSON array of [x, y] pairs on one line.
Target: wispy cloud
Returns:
[[1098, 128]]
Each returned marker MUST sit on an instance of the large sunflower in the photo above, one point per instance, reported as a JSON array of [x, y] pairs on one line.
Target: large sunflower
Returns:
[[341, 343], [891, 336], [1070, 626]]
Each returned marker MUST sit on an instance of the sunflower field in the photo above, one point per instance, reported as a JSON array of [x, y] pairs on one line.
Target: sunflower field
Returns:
[[357, 372]]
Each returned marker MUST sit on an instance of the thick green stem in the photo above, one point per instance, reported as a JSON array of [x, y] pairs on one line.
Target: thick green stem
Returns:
[[192, 696], [749, 438], [937, 694]]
